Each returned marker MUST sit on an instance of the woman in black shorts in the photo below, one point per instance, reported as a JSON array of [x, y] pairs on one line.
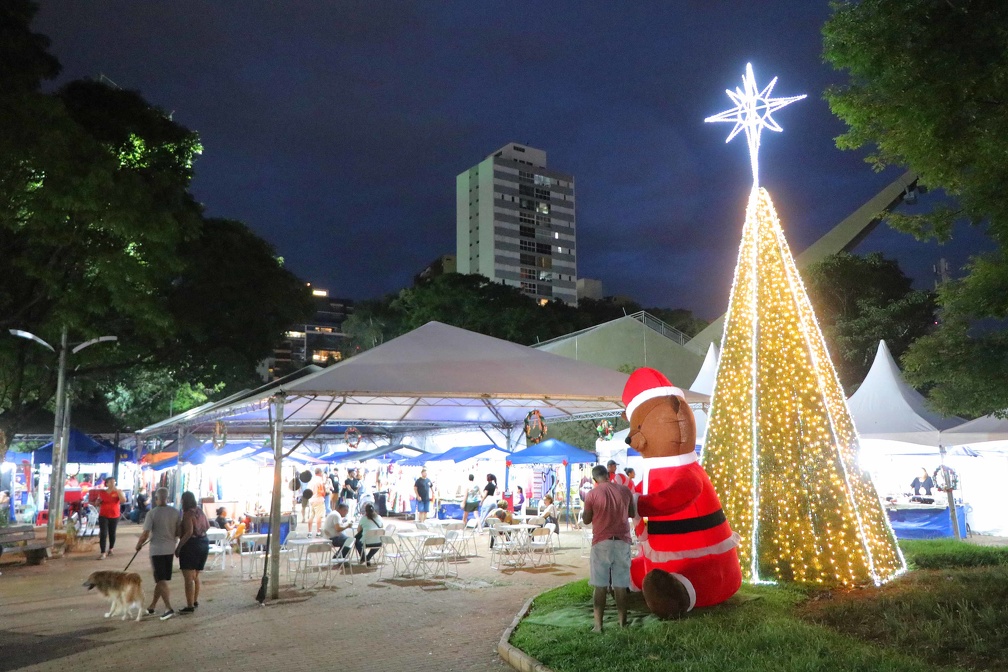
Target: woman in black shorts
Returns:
[[193, 548]]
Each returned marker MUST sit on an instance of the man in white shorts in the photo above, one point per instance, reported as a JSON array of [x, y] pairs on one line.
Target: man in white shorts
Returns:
[[608, 509]]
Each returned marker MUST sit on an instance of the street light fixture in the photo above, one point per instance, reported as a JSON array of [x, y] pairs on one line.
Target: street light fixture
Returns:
[[60, 428]]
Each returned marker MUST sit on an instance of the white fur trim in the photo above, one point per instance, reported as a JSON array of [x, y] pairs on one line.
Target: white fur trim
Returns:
[[652, 393], [667, 556], [689, 589], [671, 460]]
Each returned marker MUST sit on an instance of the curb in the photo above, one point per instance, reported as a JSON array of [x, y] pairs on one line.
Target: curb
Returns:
[[514, 656]]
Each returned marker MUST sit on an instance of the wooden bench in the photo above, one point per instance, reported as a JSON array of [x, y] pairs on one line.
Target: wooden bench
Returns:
[[21, 539]]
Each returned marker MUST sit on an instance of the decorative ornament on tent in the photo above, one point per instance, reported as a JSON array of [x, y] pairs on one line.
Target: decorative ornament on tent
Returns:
[[535, 428], [781, 447], [945, 479], [605, 430], [219, 435], [352, 436]]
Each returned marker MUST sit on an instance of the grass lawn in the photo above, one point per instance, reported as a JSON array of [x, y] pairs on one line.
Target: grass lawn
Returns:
[[949, 613]]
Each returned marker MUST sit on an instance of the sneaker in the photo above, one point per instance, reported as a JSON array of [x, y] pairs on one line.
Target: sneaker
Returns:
[[150, 612], [101, 557], [110, 552], [187, 610], [168, 614], [195, 605]]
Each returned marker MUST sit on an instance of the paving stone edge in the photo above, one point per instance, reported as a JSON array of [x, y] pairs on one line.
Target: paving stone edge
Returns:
[[514, 656]]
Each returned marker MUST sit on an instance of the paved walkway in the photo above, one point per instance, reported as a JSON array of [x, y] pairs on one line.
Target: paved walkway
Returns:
[[48, 620]]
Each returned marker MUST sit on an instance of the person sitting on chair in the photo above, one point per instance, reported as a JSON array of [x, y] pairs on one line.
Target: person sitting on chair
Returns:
[[222, 521], [370, 521], [334, 528], [549, 512]]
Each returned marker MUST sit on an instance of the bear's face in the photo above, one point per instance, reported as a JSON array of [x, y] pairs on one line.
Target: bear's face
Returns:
[[662, 427]]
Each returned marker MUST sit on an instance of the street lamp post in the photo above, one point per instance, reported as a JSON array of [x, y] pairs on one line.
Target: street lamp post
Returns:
[[61, 428]]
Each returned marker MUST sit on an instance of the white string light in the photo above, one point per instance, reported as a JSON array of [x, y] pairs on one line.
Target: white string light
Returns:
[[752, 114]]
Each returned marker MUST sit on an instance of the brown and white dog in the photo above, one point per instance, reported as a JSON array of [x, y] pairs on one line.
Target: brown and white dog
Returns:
[[125, 590]]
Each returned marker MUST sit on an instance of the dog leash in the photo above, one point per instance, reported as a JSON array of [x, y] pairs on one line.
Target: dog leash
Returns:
[[134, 556]]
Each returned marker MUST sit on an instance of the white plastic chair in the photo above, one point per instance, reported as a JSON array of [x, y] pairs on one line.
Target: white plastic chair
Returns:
[[220, 548], [586, 540], [454, 538], [433, 554], [390, 552], [541, 545], [371, 539], [505, 549]]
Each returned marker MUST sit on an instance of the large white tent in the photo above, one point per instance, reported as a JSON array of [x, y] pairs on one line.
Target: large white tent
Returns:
[[886, 408], [900, 436]]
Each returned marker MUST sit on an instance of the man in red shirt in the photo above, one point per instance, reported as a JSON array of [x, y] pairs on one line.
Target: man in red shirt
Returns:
[[608, 509]]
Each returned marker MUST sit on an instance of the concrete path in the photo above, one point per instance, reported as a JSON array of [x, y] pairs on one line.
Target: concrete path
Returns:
[[49, 621]]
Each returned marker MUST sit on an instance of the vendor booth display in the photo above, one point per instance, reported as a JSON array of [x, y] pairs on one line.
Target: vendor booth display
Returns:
[[900, 435]]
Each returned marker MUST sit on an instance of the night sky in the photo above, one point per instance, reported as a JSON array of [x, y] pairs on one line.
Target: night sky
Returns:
[[336, 129]]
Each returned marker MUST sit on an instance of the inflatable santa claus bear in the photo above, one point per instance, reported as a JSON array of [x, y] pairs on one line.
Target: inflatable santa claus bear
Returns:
[[688, 554]]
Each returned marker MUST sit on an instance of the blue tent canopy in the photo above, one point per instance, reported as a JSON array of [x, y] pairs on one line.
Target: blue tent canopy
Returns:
[[83, 449], [552, 451], [200, 454], [470, 452]]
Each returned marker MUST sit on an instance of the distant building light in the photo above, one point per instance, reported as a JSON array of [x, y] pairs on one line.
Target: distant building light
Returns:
[[320, 292], [295, 334]]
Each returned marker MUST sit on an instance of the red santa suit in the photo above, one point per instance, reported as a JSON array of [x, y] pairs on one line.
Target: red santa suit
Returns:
[[686, 533]]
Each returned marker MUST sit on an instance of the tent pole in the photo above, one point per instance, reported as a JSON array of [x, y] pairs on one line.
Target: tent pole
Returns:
[[951, 499], [274, 547]]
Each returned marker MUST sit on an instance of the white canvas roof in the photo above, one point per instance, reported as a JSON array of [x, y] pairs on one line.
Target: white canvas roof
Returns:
[[438, 375], [982, 430], [704, 382], [886, 407]]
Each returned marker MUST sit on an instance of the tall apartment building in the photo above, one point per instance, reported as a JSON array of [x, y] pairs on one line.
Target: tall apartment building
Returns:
[[515, 223], [320, 341]]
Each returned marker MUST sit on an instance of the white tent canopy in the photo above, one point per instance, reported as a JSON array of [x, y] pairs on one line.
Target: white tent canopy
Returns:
[[434, 376], [986, 430], [704, 381], [886, 407]]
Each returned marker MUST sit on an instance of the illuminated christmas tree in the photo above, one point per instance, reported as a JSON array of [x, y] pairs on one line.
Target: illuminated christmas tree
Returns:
[[781, 448]]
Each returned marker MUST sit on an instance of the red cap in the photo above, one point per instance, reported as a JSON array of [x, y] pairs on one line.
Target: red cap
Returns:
[[644, 384]]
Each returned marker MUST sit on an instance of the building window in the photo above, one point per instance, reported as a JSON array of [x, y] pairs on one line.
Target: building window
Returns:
[[528, 274], [526, 245], [526, 190], [545, 275], [529, 288], [526, 218], [542, 208], [543, 262], [544, 181], [543, 248], [527, 231], [543, 194], [528, 204], [527, 259]]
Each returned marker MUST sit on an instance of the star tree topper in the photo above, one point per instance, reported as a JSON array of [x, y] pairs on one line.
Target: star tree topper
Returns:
[[752, 113]]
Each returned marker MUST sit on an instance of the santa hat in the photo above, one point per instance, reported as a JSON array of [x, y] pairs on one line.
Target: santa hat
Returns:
[[647, 384]]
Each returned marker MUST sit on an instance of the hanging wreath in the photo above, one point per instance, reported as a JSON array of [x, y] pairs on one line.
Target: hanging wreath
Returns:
[[535, 428], [605, 430], [219, 435], [945, 482], [352, 436]]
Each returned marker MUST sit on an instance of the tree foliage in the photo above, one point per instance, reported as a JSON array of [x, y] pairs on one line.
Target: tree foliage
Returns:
[[926, 90], [475, 303], [101, 235], [860, 301]]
